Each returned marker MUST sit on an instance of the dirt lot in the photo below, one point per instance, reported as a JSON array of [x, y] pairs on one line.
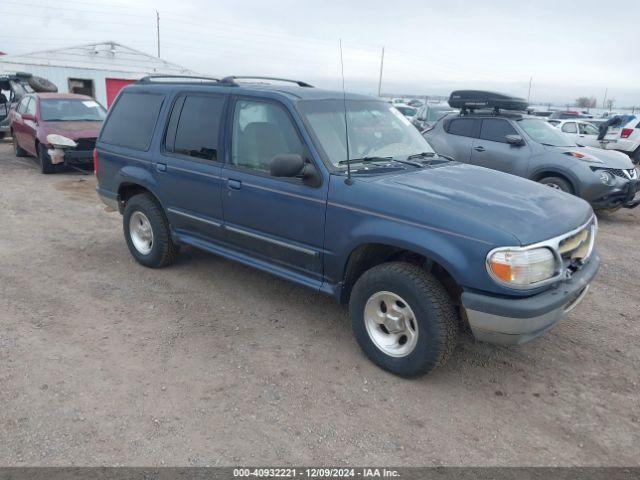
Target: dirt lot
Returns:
[[105, 362]]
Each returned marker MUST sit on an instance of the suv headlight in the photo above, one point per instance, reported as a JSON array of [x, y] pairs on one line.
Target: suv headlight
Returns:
[[520, 267], [606, 177]]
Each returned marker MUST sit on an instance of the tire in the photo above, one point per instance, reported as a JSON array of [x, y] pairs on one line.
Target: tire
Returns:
[[557, 183], [46, 166], [39, 84], [17, 149], [435, 323], [157, 249]]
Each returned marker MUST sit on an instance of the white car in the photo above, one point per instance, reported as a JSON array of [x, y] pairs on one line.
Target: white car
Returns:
[[582, 133], [627, 138]]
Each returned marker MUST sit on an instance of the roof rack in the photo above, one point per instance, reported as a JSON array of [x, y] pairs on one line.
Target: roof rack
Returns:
[[231, 80], [470, 100], [176, 79]]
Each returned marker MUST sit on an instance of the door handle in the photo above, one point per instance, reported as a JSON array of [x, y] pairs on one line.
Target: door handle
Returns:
[[479, 149], [234, 184], [161, 167]]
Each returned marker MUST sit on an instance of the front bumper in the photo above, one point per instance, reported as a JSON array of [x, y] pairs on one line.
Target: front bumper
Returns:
[[514, 321], [620, 197], [78, 156]]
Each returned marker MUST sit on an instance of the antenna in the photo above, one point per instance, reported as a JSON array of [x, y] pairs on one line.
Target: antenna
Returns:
[[346, 126]]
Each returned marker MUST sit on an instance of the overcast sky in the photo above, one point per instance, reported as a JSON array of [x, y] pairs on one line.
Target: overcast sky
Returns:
[[570, 48]]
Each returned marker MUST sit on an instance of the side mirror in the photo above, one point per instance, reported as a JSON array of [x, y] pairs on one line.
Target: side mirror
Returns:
[[294, 165], [515, 140], [28, 116], [286, 165]]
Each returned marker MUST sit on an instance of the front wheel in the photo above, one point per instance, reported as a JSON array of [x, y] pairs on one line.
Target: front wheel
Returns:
[[17, 149], [557, 183], [403, 318], [46, 166], [147, 232]]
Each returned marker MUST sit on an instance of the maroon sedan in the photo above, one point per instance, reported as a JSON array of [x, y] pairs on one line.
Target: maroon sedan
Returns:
[[56, 128]]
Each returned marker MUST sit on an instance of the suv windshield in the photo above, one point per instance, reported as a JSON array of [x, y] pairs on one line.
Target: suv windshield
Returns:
[[540, 131], [65, 109], [376, 129]]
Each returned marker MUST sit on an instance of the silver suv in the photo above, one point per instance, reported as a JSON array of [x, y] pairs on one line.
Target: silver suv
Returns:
[[529, 147]]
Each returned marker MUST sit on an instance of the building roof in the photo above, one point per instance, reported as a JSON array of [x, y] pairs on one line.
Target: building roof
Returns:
[[110, 55]]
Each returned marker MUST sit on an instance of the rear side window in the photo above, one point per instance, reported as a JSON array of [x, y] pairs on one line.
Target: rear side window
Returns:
[[461, 126], [132, 121], [495, 130], [569, 127], [194, 126]]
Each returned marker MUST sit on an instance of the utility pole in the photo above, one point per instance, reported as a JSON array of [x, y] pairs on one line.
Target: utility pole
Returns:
[[604, 100], [381, 65], [529, 94], [158, 30]]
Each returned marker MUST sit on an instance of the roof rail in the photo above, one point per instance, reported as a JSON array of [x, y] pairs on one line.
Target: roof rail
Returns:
[[232, 80], [176, 79]]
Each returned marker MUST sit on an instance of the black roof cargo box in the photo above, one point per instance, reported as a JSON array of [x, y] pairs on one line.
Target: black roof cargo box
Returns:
[[473, 99]]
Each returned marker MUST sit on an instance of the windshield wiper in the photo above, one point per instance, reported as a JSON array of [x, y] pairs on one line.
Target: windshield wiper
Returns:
[[422, 155], [428, 155], [364, 160]]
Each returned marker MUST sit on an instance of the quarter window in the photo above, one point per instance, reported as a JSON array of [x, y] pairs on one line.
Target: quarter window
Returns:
[[461, 126], [196, 132], [569, 127], [132, 120], [262, 130], [22, 107], [496, 130], [31, 107]]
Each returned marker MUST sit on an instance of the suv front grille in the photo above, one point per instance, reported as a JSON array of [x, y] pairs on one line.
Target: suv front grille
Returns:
[[577, 246], [85, 144], [627, 174]]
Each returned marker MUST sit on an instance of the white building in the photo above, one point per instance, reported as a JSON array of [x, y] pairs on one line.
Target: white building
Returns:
[[99, 70]]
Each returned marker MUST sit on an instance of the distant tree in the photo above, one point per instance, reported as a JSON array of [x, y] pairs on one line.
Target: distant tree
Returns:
[[586, 102], [609, 103]]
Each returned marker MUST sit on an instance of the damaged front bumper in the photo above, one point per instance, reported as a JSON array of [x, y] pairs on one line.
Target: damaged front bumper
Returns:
[[70, 157], [620, 197]]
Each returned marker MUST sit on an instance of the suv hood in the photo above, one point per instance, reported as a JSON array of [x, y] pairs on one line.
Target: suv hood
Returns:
[[609, 158], [526, 210], [73, 130]]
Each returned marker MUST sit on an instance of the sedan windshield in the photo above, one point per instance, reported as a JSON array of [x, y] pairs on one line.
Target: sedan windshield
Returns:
[[66, 110], [375, 129], [540, 131]]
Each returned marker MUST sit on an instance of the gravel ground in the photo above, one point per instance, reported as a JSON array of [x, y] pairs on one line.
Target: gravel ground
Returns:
[[105, 362]]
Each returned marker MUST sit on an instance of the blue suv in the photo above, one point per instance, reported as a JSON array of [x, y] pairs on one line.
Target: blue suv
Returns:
[[340, 193]]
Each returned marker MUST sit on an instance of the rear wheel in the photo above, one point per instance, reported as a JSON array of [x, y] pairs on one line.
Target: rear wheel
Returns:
[[403, 318], [17, 149], [46, 166], [147, 232], [556, 183]]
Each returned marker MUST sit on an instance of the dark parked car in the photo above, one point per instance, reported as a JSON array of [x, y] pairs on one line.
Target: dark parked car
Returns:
[[527, 146], [76, 118], [263, 174]]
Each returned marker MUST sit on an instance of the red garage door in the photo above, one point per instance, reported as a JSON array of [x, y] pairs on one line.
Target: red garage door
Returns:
[[114, 85]]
